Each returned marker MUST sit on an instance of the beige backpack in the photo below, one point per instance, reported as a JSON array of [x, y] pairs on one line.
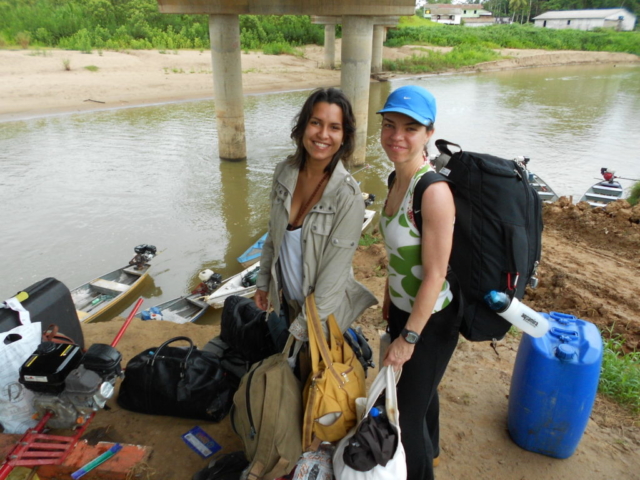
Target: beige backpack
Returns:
[[267, 414]]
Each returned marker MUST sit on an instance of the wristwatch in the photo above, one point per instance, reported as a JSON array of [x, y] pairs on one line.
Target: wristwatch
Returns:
[[410, 336]]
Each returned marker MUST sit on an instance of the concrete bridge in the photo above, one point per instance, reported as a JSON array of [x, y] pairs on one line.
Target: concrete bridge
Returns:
[[358, 18]]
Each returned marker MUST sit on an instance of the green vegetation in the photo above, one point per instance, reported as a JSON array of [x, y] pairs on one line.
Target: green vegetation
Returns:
[[620, 376], [418, 21], [517, 36], [367, 240], [135, 24], [66, 64], [461, 56], [91, 68], [634, 196], [88, 25], [278, 48]]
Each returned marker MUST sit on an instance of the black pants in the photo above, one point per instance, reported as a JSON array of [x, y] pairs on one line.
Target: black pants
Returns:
[[418, 402]]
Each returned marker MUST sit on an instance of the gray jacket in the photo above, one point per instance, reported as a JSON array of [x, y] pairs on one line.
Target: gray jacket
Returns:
[[330, 234]]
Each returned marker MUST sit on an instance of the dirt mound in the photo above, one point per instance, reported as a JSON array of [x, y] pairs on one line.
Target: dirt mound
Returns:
[[590, 265]]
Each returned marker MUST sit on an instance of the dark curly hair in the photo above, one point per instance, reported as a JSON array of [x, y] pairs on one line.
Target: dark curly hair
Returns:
[[331, 96]]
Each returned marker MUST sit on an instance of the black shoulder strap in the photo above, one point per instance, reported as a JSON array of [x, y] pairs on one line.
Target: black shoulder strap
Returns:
[[425, 182], [392, 177]]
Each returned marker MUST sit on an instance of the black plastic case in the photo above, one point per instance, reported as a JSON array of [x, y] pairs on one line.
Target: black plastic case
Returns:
[[46, 370], [103, 359], [49, 302]]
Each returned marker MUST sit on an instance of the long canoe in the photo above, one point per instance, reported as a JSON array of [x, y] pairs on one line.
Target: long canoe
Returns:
[[545, 192], [103, 294], [184, 309]]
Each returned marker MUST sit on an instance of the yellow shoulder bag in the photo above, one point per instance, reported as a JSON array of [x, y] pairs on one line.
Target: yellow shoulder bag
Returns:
[[336, 380]]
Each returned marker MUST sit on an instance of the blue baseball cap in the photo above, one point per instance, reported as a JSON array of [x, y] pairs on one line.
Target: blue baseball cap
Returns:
[[415, 102]]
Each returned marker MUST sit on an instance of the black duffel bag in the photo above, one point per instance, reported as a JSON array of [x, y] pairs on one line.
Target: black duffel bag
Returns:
[[179, 382]]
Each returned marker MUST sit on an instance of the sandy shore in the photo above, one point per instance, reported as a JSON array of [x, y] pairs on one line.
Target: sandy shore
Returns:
[[36, 83]]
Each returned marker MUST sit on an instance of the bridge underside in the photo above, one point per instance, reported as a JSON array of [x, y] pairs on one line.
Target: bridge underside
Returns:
[[358, 18]]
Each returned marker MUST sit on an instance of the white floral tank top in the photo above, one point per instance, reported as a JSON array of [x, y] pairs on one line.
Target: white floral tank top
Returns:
[[404, 249]]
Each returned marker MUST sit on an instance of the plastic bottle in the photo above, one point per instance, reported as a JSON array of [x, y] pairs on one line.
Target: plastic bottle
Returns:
[[378, 414], [517, 313]]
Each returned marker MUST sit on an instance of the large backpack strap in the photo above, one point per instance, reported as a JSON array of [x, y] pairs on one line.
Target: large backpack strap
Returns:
[[425, 182]]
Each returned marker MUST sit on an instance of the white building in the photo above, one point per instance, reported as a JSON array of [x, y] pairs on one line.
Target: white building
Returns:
[[616, 18], [454, 14]]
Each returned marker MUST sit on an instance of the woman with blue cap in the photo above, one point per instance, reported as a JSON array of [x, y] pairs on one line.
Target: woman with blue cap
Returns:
[[419, 304]]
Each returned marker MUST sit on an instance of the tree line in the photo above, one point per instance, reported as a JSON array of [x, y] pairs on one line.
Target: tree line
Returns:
[[136, 24]]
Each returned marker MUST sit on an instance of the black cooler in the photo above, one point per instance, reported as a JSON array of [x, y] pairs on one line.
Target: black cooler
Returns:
[[49, 302]]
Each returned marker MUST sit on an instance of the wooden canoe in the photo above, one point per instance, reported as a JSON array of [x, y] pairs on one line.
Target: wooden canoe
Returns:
[[96, 298]]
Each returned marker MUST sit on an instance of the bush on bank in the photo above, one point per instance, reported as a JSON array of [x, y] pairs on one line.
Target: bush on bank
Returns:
[[460, 56], [517, 36]]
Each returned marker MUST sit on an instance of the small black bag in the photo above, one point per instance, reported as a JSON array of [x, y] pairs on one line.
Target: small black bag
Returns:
[[179, 382], [374, 443]]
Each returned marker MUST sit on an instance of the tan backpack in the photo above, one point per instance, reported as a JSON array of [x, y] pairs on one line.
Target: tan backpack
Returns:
[[267, 414]]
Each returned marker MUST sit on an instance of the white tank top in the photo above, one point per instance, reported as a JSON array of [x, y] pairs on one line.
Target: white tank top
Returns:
[[291, 265]]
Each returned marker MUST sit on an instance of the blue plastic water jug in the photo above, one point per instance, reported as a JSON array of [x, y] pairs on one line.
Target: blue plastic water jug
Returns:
[[553, 387]]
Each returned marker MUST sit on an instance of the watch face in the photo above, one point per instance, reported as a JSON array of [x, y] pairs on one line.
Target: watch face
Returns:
[[410, 337]]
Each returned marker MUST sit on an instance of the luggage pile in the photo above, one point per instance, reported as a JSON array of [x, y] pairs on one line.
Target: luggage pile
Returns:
[[251, 371]]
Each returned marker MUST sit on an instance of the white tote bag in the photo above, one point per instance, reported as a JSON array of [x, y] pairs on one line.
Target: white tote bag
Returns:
[[16, 345], [396, 468]]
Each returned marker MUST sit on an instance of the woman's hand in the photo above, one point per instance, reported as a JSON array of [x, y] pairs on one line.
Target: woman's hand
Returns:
[[399, 352], [261, 300]]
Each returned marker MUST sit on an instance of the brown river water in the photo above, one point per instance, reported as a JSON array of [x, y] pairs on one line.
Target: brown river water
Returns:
[[79, 191]]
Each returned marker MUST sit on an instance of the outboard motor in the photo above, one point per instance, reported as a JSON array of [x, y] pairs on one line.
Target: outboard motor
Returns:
[[209, 282], [607, 174], [144, 253], [70, 384], [368, 198]]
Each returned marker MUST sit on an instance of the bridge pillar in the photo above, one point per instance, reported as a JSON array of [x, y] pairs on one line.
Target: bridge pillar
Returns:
[[330, 46], [379, 32], [357, 35], [224, 31]]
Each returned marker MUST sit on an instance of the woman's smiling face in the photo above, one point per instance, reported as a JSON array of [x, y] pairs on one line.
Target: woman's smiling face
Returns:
[[403, 138], [324, 133]]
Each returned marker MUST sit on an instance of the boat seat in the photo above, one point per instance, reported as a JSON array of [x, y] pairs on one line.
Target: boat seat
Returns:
[[132, 271], [597, 196], [109, 287], [197, 303]]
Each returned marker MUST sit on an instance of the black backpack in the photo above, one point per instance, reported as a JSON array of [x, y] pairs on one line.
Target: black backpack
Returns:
[[252, 332], [497, 238]]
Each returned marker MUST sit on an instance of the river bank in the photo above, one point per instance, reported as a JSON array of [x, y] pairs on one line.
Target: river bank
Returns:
[[37, 82], [577, 275]]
